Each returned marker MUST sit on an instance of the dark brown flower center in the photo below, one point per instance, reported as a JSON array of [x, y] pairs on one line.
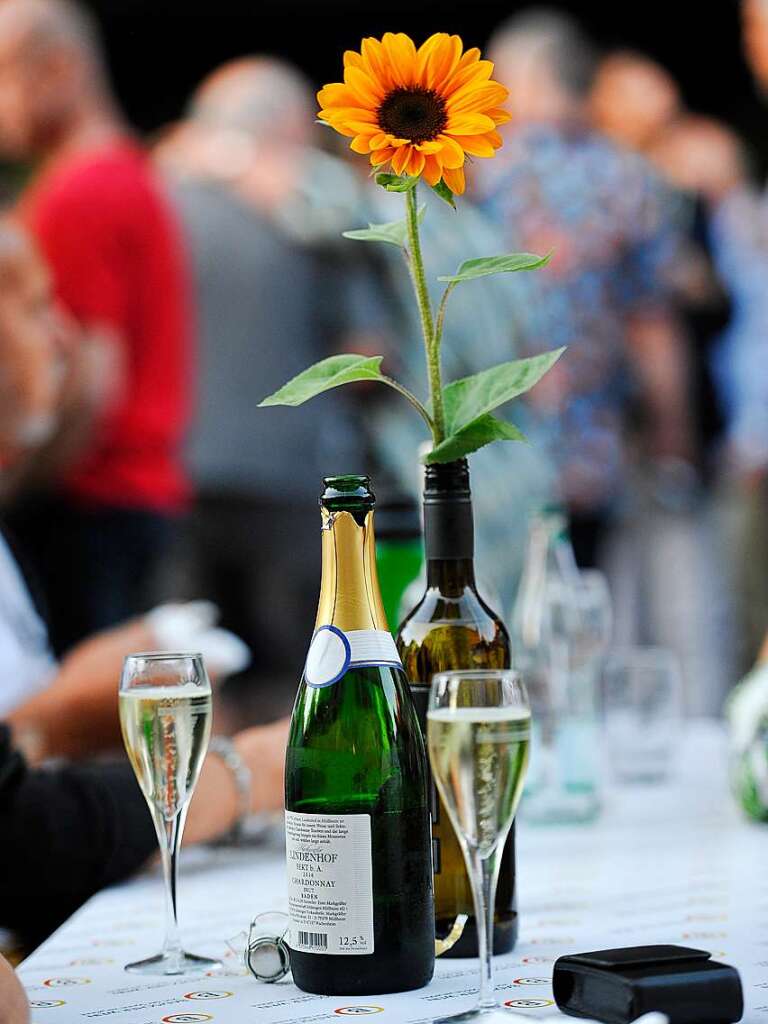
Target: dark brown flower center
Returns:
[[415, 114]]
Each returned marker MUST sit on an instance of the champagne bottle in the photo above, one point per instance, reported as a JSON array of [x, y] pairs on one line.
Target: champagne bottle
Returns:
[[356, 798], [453, 628]]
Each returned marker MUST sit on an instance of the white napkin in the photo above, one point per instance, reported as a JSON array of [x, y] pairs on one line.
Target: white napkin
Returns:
[[192, 627]]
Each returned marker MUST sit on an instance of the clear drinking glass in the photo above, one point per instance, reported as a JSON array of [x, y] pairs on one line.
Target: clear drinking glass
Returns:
[[643, 701], [478, 733], [165, 715], [565, 778]]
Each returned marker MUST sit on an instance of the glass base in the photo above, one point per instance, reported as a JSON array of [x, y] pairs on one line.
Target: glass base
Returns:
[[173, 963], [484, 1015]]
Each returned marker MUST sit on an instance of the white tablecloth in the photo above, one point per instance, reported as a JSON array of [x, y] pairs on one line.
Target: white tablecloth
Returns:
[[672, 864]]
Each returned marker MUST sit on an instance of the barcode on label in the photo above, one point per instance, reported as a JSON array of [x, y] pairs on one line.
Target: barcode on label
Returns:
[[315, 940]]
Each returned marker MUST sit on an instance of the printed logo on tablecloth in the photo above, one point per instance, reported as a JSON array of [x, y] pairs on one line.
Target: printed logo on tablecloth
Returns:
[[91, 961], [358, 1011], [531, 981], [46, 1004], [528, 1004], [65, 982], [208, 995], [186, 1018], [228, 972], [533, 960]]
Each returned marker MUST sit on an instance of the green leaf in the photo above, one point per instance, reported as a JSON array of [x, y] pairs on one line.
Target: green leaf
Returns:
[[477, 434], [445, 193], [485, 265], [394, 233], [328, 373], [396, 182], [467, 399]]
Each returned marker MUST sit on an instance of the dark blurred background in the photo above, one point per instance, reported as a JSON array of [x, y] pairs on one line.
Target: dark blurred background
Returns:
[[700, 45]]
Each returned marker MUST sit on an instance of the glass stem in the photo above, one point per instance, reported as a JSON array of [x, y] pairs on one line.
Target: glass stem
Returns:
[[169, 834], [483, 874]]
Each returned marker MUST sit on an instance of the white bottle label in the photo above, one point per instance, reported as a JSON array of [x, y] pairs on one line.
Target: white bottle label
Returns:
[[333, 652], [330, 883]]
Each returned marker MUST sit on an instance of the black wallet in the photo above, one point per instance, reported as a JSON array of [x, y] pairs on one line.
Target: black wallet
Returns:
[[619, 985]]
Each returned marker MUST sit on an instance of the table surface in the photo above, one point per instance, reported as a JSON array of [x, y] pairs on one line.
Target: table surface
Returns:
[[665, 864]]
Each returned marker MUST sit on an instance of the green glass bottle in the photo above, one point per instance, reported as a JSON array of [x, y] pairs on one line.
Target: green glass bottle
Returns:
[[357, 818], [399, 551], [453, 628]]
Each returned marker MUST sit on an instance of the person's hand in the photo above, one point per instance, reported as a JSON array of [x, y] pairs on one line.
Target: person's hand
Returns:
[[263, 750], [14, 1008]]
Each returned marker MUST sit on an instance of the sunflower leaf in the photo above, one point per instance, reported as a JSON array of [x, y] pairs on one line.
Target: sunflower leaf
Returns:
[[471, 269], [394, 233], [474, 435], [445, 193], [396, 182], [471, 397], [328, 373]]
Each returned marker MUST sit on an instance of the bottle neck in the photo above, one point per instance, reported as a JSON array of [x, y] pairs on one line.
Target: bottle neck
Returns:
[[449, 532], [350, 598]]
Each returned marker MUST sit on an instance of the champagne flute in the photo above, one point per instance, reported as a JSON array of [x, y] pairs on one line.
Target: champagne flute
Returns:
[[165, 716], [478, 733]]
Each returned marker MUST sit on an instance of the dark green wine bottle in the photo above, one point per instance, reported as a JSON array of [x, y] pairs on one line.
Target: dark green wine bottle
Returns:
[[453, 628], [357, 818]]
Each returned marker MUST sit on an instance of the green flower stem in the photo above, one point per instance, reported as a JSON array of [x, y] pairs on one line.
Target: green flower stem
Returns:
[[410, 397], [431, 342], [441, 315]]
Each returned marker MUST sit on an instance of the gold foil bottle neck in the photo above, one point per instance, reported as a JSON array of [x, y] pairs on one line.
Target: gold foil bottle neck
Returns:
[[349, 594]]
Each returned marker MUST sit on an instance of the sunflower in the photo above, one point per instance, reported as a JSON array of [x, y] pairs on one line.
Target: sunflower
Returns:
[[420, 111]]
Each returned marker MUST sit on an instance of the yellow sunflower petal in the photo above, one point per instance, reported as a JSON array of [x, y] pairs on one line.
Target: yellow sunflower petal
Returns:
[[476, 73], [452, 155], [352, 127], [454, 179], [469, 124], [375, 62], [470, 57], [380, 140], [352, 59], [433, 170], [495, 139], [438, 61], [361, 144], [331, 114], [475, 145], [474, 97], [401, 158], [336, 94], [499, 115], [429, 147], [381, 156], [415, 163], [369, 92], [401, 55]]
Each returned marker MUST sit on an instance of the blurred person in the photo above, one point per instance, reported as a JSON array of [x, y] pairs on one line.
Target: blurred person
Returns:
[[79, 696], [96, 531], [633, 99], [558, 185], [272, 297], [89, 819], [705, 161]]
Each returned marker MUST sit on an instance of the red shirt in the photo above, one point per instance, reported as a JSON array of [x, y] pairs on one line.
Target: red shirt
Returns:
[[114, 250]]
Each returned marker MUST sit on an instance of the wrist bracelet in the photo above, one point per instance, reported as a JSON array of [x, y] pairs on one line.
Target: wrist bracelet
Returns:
[[224, 748]]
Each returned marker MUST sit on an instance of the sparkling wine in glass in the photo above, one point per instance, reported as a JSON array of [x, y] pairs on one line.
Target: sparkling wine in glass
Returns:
[[165, 715], [478, 734]]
